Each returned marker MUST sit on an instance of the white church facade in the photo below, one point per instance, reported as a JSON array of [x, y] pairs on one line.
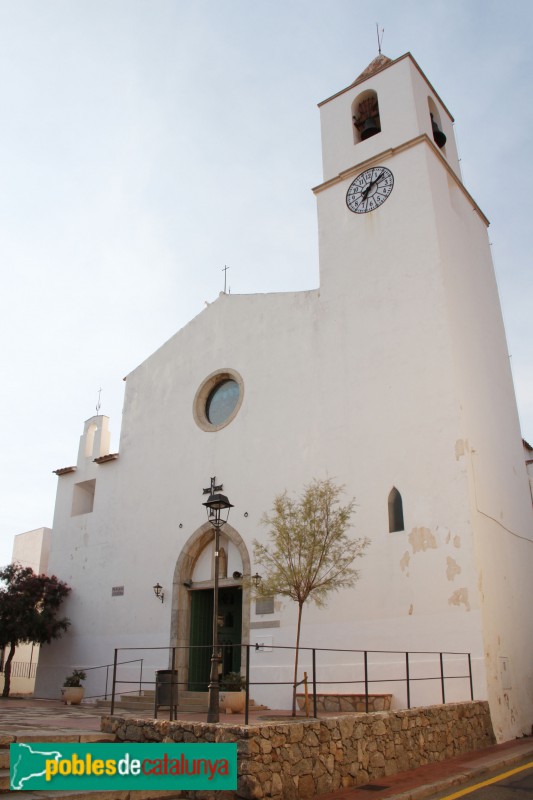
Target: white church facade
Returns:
[[392, 378]]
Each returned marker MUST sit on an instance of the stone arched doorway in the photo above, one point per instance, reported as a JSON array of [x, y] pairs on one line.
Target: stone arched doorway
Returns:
[[198, 548]]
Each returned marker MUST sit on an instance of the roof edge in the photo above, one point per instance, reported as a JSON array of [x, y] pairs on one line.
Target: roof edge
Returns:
[[385, 66]]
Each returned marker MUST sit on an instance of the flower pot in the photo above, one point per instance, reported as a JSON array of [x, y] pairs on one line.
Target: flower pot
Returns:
[[72, 695], [233, 702]]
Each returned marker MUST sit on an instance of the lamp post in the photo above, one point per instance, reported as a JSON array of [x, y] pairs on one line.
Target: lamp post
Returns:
[[217, 506]]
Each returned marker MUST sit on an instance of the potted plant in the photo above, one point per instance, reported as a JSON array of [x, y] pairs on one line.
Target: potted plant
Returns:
[[232, 695], [72, 691]]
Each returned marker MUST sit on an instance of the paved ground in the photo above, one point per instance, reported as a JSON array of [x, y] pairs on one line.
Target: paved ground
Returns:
[[53, 716], [29, 716]]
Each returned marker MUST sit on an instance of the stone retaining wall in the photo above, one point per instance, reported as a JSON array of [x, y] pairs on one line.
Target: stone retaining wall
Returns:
[[286, 760]]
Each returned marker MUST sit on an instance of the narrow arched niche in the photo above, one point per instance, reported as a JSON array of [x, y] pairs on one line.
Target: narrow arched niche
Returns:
[[365, 116], [89, 440], [395, 511]]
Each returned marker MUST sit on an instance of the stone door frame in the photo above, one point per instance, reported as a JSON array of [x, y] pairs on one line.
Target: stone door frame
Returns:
[[180, 620]]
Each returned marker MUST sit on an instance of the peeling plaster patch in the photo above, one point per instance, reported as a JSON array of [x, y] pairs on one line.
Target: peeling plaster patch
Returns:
[[452, 568], [422, 539], [410, 609], [459, 449], [460, 597], [404, 562], [457, 541]]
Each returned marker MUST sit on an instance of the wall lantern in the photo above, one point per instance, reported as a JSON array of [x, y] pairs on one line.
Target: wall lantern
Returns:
[[158, 591]]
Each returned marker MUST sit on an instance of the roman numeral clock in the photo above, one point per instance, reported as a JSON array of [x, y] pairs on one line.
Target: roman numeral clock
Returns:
[[369, 190]]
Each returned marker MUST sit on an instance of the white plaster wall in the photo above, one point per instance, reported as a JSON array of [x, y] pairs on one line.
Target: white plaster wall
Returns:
[[492, 452], [382, 377], [303, 418]]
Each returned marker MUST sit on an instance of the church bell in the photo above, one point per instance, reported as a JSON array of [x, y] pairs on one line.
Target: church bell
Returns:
[[369, 128], [438, 136], [367, 119]]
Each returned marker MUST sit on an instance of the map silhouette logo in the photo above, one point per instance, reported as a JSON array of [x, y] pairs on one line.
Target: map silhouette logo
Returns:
[[30, 763]]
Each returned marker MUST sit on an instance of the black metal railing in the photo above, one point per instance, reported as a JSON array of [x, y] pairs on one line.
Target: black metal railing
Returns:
[[107, 668], [366, 669]]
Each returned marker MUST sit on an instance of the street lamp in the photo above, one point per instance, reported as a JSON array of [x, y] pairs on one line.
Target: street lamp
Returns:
[[217, 506]]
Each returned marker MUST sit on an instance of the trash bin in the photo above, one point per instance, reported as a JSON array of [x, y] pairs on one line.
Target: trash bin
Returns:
[[166, 689]]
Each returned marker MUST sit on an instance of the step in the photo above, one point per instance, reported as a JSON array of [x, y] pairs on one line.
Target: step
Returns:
[[72, 794], [148, 711], [195, 695], [127, 705], [187, 701]]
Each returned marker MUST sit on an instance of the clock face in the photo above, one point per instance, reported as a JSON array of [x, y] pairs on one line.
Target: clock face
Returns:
[[369, 190]]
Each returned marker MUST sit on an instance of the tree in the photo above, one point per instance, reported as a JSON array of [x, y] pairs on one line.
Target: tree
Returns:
[[29, 604], [310, 553]]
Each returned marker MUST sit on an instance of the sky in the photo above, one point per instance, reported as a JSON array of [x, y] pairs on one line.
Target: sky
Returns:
[[146, 144]]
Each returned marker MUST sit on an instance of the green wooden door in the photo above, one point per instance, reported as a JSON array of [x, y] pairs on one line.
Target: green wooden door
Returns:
[[201, 638], [230, 627]]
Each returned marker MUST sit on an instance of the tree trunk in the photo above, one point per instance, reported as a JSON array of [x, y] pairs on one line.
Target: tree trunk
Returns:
[[7, 671], [295, 683]]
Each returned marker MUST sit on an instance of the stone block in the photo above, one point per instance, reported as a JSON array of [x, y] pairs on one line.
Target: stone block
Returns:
[[306, 787], [249, 788], [277, 785]]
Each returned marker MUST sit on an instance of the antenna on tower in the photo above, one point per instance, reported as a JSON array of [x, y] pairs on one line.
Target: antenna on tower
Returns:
[[98, 403], [380, 38], [225, 271]]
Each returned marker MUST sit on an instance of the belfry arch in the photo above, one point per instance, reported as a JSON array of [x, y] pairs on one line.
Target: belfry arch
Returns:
[[183, 587]]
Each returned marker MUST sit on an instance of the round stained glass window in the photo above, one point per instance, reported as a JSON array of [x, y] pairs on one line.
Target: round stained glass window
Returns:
[[222, 401], [218, 399]]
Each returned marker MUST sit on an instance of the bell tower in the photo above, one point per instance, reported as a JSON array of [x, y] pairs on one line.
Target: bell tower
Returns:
[[405, 261], [389, 118], [419, 346]]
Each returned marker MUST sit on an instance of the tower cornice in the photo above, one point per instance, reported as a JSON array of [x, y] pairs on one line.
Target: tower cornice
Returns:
[[390, 64], [384, 155]]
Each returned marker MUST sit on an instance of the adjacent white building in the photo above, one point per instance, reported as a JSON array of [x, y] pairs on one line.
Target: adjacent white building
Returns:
[[30, 549], [392, 378]]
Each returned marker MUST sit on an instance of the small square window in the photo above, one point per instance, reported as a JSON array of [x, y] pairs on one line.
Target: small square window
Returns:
[[83, 498]]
